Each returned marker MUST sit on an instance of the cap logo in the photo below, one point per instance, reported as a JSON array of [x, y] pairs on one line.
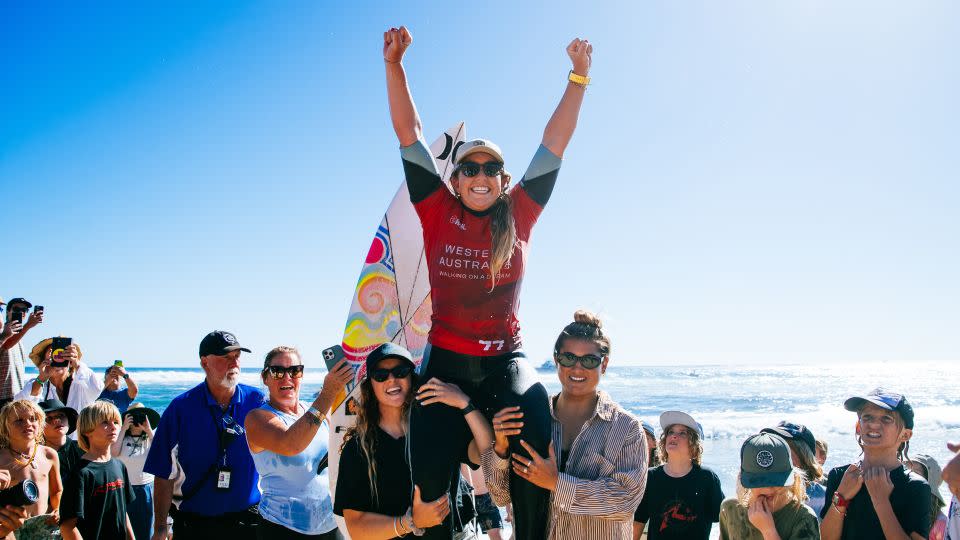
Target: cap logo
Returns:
[[230, 339], [765, 459]]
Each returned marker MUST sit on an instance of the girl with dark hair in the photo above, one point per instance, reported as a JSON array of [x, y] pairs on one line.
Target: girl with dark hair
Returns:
[[595, 467], [476, 242], [878, 497], [375, 493]]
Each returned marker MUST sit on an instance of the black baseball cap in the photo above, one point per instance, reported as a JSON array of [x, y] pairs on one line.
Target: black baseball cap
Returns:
[[789, 430], [220, 343], [19, 300], [884, 399], [55, 405], [388, 350]]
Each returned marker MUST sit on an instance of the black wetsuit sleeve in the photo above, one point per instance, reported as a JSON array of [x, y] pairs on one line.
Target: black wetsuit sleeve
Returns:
[[420, 171], [541, 175]]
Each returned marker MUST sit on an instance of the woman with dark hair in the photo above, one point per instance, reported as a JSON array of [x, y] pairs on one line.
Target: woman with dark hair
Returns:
[[288, 441], [476, 242], [596, 464], [878, 497], [375, 492]]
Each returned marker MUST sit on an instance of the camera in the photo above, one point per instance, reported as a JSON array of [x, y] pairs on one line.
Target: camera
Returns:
[[23, 494], [138, 418]]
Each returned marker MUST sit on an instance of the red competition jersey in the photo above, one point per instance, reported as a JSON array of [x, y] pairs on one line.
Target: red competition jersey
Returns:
[[469, 317]]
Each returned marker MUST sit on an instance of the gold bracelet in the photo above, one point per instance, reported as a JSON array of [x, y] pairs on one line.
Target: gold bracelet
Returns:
[[580, 80]]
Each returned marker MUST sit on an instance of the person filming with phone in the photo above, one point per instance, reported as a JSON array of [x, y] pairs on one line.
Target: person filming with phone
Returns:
[[121, 397], [63, 375], [12, 356], [131, 448]]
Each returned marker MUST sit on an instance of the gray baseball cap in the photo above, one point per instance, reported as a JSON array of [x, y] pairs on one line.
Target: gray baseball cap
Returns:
[[765, 461]]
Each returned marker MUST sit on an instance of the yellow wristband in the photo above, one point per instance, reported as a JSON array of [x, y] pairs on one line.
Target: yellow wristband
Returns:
[[582, 80]]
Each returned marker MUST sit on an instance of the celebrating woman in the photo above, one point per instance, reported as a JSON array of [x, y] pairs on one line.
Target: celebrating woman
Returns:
[[596, 464], [477, 243], [288, 440]]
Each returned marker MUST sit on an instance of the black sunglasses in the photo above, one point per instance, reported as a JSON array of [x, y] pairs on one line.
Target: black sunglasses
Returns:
[[471, 169], [277, 372], [398, 372], [568, 360]]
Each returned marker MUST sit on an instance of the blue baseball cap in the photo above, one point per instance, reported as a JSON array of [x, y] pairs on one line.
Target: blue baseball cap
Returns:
[[885, 399], [648, 427], [789, 430]]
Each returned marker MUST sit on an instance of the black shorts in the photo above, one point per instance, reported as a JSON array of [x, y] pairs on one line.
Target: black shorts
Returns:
[[488, 515]]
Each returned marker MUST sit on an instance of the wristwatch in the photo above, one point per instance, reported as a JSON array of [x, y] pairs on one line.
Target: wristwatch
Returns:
[[468, 409]]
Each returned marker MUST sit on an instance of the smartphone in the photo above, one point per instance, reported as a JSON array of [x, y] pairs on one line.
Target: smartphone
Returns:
[[118, 363], [38, 309], [16, 316], [58, 345], [332, 355]]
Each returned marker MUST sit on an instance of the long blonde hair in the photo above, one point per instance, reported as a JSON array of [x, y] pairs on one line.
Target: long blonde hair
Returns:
[[696, 445], [365, 428], [19, 409], [806, 460]]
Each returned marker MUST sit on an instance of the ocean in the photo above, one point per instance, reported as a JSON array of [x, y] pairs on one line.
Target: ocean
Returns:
[[731, 402]]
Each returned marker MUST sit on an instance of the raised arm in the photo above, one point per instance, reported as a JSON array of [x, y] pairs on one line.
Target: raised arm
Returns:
[[403, 113], [560, 128]]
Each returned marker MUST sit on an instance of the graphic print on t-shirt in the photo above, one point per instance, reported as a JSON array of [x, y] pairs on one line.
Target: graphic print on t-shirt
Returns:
[[677, 516]]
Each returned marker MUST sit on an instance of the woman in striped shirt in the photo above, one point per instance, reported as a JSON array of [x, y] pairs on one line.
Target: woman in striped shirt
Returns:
[[597, 461]]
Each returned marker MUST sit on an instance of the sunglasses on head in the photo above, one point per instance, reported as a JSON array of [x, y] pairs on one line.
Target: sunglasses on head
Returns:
[[471, 169], [398, 372], [568, 360], [277, 372]]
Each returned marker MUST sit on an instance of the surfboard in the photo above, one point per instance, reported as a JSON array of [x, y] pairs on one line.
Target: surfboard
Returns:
[[392, 299]]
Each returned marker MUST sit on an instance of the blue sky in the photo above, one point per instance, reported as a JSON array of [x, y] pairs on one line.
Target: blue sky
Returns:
[[750, 182]]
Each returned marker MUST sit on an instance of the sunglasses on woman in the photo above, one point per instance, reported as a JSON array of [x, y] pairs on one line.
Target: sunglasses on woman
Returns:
[[398, 372], [277, 372], [568, 360], [471, 169]]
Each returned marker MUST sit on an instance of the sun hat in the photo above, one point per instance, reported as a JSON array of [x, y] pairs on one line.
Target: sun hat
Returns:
[[36, 353], [885, 399], [934, 473], [670, 418], [765, 461], [219, 343], [476, 145], [789, 430], [388, 350], [137, 407], [55, 405]]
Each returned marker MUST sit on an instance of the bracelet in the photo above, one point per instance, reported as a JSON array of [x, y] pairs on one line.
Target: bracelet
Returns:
[[395, 531], [580, 80], [317, 414], [468, 409], [837, 508]]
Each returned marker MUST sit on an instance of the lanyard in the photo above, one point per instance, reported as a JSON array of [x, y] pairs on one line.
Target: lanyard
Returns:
[[218, 423]]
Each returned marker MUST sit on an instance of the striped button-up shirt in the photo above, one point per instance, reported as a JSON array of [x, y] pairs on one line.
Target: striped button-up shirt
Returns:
[[603, 481]]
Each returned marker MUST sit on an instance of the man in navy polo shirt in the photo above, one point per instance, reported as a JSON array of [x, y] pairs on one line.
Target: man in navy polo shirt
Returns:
[[206, 422]]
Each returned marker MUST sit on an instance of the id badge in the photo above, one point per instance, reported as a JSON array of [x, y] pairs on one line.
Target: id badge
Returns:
[[223, 478]]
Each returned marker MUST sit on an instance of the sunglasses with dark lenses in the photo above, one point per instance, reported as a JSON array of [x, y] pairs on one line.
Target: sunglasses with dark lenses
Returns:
[[471, 169], [568, 360], [398, 372], [277, 372]]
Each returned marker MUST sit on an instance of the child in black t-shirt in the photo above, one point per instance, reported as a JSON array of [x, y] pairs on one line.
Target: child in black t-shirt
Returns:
[[682, 499], [94, 504], [878, 497]]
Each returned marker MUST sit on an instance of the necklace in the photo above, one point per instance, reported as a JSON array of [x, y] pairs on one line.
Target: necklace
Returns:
[[22, 459]]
